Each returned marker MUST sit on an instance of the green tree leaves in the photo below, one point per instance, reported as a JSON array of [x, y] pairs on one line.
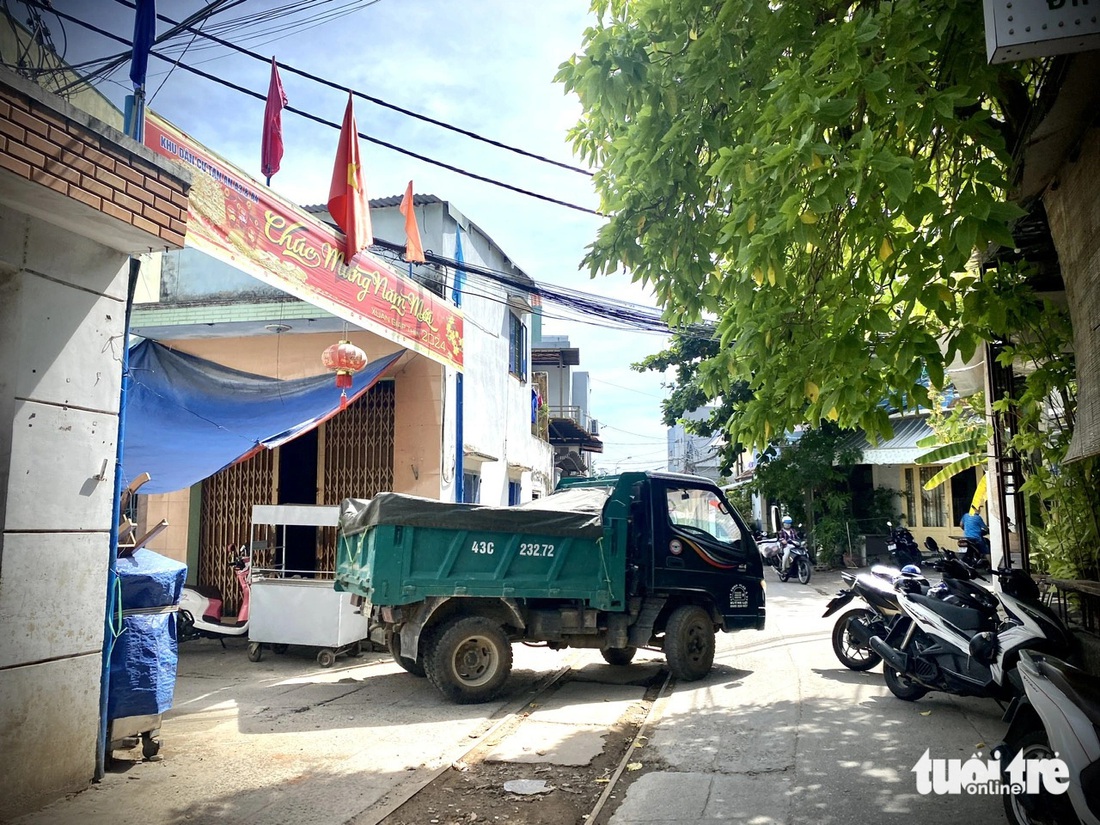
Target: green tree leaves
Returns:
[[815, 176]]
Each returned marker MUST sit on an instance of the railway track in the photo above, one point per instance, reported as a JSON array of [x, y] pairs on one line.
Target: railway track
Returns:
[[469, 785]]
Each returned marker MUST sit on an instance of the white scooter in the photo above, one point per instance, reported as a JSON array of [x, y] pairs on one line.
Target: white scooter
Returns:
[[200, 611], [955, 641], [1058, 717]]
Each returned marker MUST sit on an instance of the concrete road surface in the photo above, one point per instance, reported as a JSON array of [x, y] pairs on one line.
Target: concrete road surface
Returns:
[[781, 732], [285, 742]]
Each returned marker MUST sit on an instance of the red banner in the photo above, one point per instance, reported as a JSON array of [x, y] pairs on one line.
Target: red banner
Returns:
[[240, 221]]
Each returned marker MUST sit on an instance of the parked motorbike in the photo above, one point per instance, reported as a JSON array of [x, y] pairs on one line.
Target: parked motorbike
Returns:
[[772, 554], [953, 639], [972, 551], [854, 628], [902, 546], [200, 610], [1058, 716]]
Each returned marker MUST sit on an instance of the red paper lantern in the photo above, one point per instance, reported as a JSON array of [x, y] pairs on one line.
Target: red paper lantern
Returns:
[[345, 359]]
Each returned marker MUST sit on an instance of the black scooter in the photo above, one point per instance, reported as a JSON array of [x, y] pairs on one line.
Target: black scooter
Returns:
[[965, 640], [902, 546], [854, 628]]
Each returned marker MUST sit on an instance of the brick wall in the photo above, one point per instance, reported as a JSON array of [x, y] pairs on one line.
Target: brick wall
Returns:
[[41, 145]]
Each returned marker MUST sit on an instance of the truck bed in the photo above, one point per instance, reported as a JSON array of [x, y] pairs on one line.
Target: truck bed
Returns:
[[397, 549]]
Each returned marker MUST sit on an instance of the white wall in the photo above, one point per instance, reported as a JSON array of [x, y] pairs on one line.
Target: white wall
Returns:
[[61, 321], [496, 404]]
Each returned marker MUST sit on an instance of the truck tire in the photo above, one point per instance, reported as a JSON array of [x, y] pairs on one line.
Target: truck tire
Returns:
[[618, 655], [393, 645], [689, 643], [469, 660]]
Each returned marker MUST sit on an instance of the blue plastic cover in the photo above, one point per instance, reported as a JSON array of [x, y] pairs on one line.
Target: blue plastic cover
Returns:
[[144, 656], [187, 418], [143, 666], [149, 579]]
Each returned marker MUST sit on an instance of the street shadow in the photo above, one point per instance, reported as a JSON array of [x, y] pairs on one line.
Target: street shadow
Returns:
[[726, 675], [851, 677], [289, 693]]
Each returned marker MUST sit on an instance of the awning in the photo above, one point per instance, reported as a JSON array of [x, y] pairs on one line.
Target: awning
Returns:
[[187, 418], [901, 449]]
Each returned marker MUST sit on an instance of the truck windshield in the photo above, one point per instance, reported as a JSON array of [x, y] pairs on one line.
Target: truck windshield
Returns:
[[702, 510]]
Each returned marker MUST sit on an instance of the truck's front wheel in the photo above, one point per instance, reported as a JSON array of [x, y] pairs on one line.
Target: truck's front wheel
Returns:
[[469, 660], [689, 643]]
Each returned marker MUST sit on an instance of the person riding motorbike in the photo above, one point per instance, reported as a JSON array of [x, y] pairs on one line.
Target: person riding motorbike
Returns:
[[974, 527], [788, 537]]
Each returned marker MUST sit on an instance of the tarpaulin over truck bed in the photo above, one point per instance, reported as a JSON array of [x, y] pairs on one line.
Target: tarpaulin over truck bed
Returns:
[[575, 512], [187, 418]]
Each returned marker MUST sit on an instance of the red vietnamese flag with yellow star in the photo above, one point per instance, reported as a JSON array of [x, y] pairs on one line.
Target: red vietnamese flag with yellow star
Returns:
[[347, 195]]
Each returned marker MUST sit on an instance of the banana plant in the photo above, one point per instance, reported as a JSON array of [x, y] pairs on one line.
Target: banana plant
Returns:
[[964, 454]]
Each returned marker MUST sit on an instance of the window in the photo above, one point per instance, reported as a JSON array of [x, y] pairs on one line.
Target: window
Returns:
[[513, 493], [933, 504], [471, 488], [701, 511], [517, 347], [910, 499]]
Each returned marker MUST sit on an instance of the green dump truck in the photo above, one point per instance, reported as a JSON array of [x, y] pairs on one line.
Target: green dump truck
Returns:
[[615, 563]]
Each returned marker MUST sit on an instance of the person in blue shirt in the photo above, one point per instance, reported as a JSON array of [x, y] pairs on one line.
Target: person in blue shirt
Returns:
[[974, 527]]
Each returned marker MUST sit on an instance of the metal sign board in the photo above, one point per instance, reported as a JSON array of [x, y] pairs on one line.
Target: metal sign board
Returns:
[[1020, 29]]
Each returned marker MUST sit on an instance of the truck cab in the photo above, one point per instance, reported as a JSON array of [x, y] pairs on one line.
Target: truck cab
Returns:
[[684, 541]]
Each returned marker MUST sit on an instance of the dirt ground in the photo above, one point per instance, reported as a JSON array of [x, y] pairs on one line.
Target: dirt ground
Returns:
[[474, 789]]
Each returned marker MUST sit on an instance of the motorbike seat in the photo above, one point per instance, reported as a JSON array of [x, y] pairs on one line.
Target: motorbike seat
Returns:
[[966, 619], [1080, 688]]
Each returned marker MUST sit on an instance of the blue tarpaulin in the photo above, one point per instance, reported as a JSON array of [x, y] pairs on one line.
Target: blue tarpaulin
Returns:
[[187, 418], [145, 654]]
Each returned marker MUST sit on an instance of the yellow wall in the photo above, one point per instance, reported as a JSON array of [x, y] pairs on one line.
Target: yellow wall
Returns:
[[171, 506], [418, 435]]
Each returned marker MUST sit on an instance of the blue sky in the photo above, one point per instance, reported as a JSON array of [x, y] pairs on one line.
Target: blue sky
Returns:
[[486, 66]]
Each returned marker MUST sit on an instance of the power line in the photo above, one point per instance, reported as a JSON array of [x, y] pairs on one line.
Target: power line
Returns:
[[628, 389], [605, 425], [624, 314], [114, 62], [372, 99], [334, 125]]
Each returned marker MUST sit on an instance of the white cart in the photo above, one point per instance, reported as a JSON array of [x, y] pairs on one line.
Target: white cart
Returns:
[[288, 609]]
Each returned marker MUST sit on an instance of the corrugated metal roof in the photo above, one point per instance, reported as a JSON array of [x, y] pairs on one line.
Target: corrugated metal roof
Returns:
[[901, 449], [380, 203]]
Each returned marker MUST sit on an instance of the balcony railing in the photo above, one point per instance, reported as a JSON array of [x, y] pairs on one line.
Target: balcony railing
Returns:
[[578, 417]]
